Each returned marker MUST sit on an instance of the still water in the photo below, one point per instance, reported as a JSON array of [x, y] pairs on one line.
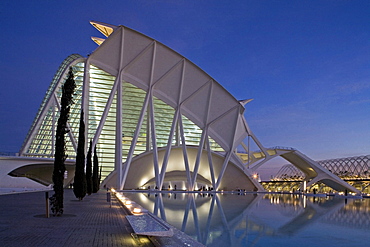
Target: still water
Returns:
[[263, 219]]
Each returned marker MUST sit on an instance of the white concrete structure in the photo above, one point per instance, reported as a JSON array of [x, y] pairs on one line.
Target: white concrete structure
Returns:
[[157, 120]]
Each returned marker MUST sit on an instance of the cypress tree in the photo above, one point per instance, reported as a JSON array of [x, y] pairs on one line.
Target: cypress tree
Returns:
[[79, 184], [89, 170], [60, 156], [95, 177]]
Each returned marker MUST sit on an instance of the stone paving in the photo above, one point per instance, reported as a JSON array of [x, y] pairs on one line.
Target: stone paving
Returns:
[[90, 222]]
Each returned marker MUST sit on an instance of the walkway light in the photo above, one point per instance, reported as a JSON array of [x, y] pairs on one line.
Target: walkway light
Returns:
[[136, 211]]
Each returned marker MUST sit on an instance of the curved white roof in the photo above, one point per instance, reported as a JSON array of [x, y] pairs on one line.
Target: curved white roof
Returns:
[[150, 65]]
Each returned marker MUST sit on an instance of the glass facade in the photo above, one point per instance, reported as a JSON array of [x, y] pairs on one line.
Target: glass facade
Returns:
[[101, 84], [40, 139], [100, 88]]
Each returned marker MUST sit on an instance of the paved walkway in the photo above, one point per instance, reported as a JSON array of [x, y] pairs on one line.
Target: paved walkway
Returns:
[[91, 222]]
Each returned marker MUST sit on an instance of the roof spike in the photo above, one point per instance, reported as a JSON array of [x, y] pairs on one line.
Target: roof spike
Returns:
[[97, 40], [245, 101], [104, 28]]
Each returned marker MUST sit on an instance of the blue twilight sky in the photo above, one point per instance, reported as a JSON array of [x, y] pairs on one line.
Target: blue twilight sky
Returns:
[[306, 64]]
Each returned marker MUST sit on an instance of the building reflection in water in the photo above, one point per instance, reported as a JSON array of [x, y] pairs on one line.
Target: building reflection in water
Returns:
[[216, 219]]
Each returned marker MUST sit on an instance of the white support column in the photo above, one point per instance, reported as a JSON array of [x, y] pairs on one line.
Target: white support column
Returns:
[[53, 128], [118, 144], [186, 160], [249, 149], [154, 141], [178, 137], [259, 144], [152, 119], [204, 135], [210, 162], [118, 139], [134, 140], [148, 132], [106, 111], [304, 185], [199, 155], [223, 169], [85, 99], [168, 149]]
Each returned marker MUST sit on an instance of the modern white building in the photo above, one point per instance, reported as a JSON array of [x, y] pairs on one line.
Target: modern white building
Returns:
[[157, 120]]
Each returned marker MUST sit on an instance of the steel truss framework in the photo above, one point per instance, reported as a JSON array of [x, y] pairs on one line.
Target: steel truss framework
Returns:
[[349, 168], [346, 168], [354, 170], [145, 102]]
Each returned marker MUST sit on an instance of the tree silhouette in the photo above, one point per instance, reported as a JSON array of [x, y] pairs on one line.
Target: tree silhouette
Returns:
[[95, 177], [89, 181], [60, 156], [79, 184]]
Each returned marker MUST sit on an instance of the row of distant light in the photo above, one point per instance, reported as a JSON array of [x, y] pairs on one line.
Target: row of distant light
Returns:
[[132, 206], [350, 193], [339, 193]]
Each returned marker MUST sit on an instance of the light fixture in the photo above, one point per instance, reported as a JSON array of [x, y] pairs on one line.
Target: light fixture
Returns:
[[136, 211]]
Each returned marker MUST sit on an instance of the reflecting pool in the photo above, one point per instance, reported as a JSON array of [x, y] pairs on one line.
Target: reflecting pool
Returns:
[[263, 219]]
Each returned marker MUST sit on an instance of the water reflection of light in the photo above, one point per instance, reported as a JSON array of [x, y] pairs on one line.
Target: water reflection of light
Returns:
[[143, 198], [213, 218]]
